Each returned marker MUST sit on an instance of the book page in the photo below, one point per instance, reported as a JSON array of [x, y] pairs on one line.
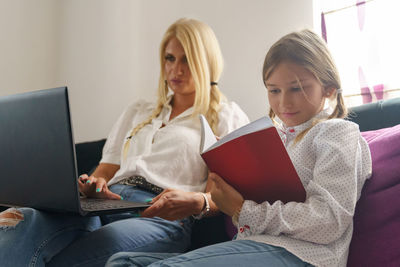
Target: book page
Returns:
[[207, 136], [255, 126]]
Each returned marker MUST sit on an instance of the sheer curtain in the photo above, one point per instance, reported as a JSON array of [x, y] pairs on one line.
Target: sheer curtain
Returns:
[[364, 39]]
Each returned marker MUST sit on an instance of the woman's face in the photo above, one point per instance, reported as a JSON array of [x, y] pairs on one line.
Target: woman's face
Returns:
[[177, 70], [294, 94]]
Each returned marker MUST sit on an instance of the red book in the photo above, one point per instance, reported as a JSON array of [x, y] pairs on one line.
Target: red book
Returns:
[[254, 161]]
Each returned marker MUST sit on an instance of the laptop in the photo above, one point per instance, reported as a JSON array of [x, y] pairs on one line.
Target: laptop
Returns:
[[38, 166]]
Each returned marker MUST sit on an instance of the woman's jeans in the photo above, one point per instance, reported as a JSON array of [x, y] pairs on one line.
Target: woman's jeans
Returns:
[[231, 253], [67, 240]]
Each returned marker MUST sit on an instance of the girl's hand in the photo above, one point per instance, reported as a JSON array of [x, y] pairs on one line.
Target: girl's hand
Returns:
[[95, 187], [225, 196], [174, 204]]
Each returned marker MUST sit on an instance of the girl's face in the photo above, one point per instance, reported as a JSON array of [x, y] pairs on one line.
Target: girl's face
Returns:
[[178, 75], [294, 94]]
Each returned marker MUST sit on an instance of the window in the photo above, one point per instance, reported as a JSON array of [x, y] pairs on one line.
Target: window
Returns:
[[364, 41]]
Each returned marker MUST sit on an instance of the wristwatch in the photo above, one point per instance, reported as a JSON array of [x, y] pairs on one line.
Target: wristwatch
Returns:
[[205, 210]]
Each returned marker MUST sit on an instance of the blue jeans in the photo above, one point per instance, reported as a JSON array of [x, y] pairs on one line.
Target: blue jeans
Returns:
[[231, 253], [67, 240]]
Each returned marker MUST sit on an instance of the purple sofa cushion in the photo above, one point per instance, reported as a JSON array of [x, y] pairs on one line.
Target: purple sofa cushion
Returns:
[[376, 236]]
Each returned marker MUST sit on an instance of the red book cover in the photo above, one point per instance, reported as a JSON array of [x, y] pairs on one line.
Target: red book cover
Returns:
[[254, 161]]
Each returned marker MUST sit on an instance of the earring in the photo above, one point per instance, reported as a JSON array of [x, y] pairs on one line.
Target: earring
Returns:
[[329, 93]]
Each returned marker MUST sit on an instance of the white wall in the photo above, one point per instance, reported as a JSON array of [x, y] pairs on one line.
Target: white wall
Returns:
[[106, 52], [28, 45]]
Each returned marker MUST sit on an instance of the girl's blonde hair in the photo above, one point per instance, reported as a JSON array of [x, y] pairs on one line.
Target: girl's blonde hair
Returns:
[[205, 63], [307, 49]]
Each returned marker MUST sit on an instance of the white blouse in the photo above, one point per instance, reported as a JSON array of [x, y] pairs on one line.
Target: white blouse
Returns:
[[333, 161], [167, 156]]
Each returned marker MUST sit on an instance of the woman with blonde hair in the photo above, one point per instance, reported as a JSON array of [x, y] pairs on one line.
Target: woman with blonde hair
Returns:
[[330, 156], [151, 155]]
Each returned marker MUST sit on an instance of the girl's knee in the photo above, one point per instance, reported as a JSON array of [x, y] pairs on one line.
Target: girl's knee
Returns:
[[10, 218], [137, 258]]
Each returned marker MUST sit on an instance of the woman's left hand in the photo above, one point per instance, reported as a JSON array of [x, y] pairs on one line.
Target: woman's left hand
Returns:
[[174, 204], [225, 196]]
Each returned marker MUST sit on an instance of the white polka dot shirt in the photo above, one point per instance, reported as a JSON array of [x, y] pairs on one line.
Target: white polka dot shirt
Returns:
[[333, 161]]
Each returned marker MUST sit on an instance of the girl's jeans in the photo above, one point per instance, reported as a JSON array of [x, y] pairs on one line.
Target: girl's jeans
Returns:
[[68, 240], [231, 253]]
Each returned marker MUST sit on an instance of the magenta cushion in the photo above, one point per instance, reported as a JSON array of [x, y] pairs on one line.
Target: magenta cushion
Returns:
[[376, 236]]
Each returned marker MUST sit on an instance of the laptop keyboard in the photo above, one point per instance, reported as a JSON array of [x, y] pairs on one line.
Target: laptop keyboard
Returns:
[[94, 204]]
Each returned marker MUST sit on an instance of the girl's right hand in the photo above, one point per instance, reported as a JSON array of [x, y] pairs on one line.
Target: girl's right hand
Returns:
[[95, 187], [227, 199]]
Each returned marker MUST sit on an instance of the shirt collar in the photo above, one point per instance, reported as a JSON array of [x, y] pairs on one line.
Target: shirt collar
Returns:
[[165, 114], [294, 130]]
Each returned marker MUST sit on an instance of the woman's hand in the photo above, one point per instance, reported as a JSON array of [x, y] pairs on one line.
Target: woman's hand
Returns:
[[174, 204], [95, 187], [227, 199]]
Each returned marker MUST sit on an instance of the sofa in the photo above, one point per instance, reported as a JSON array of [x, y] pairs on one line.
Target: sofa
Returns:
[[376, 237]]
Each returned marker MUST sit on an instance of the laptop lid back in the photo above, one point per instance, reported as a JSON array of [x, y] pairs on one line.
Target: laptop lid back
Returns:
[[37, 151]]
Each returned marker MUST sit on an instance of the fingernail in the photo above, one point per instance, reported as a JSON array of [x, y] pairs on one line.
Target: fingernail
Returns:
[[122, 198], [88, 181], [98, 190], [148, 200]]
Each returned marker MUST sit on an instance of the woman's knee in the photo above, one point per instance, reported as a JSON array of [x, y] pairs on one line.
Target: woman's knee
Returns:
[[10, 218]]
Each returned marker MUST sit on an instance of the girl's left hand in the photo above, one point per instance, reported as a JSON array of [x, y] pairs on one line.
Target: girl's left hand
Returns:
[[174, 204], [225, 196]]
